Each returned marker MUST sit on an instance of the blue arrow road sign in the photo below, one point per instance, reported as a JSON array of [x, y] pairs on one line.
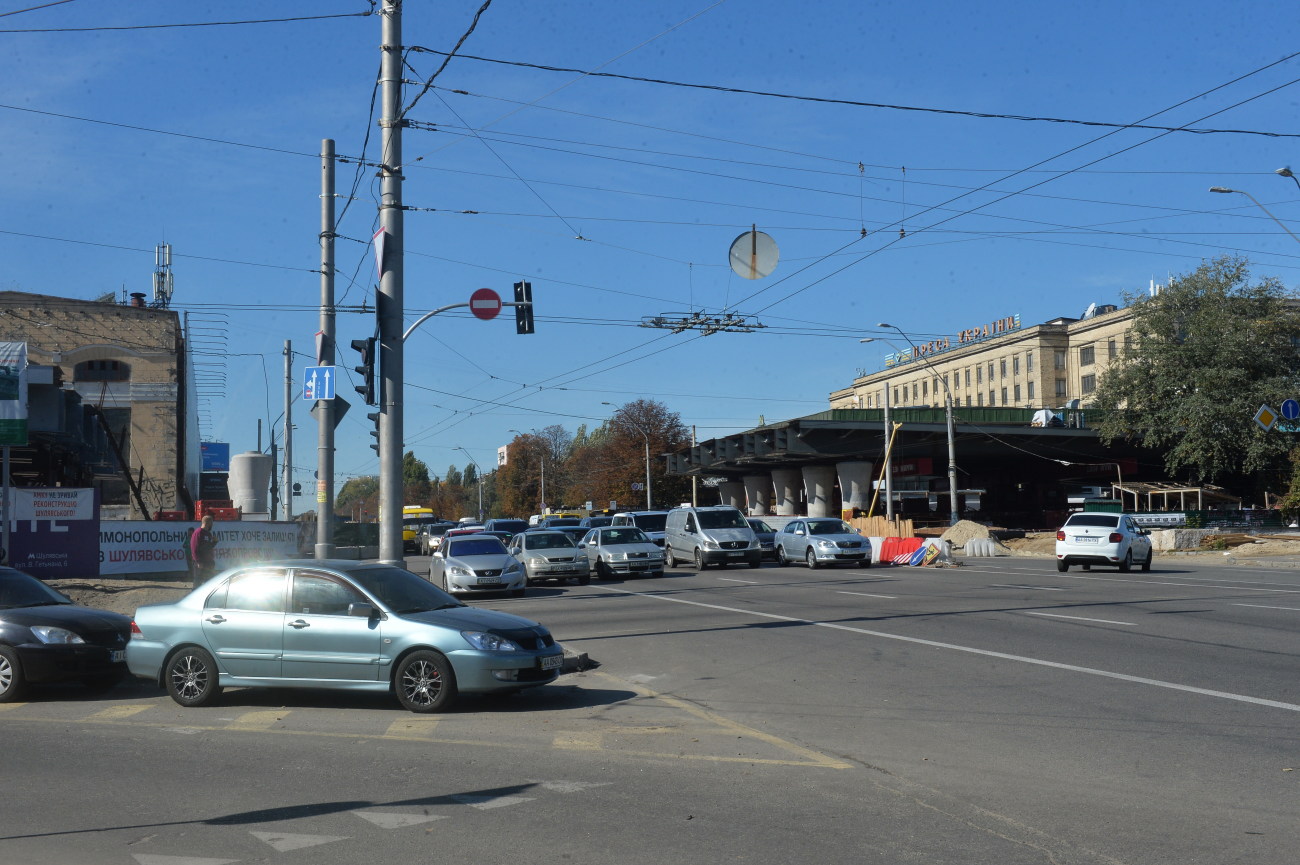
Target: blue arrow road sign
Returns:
[[318, 383], [1290, 409]]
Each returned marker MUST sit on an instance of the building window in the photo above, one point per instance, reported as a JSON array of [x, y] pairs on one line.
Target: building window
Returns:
[[1015, 365], [101, 370], [993, 398], [990, 371], [1112, 349], [1089, 383], [1058, 357], [979, 375], [925, 388], [914, 392], [1003, 370], [1031, 391], [945, 382], [1004, 396], [1087, 355], [1017, 394], [895, 394], [956, 402], [968, 377], [1128, 343], [1060, 387], [979, 399], [1029, 361]]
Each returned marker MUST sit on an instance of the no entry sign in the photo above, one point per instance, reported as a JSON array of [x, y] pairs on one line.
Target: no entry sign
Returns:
[[485, 303]]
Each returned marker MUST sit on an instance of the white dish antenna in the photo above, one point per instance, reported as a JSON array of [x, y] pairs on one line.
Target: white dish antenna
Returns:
[[754, 255], [1090, 311]]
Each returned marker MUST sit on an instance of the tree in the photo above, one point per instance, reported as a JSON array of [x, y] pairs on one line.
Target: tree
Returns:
[[363, 491], [1206, 352], [416, 487], [622, 458]]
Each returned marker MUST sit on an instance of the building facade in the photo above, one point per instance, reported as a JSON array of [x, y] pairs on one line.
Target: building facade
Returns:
[[128, 362], [999, 364]]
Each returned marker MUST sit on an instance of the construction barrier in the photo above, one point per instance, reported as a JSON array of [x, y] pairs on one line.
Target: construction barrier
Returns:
[[877, 545], [898, 551]]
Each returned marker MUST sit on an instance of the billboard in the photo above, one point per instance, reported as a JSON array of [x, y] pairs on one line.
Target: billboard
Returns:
[[216, 456], [13, 393], [55, 532]]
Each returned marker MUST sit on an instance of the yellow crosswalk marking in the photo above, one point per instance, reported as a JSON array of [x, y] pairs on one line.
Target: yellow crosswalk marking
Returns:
[[257, 720], [589, 741], [115, 713], [412, 728]]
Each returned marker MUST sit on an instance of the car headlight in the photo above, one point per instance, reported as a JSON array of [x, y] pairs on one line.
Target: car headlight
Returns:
[[460, 571], [513, 566], [490, 642], [51, 634], [826, 545], [711, 545], [618, 557]]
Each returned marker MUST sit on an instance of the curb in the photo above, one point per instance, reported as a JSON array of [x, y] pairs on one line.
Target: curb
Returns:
[[577, 662]]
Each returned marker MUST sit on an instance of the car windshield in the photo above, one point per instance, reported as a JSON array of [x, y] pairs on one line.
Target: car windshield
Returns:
[[401, 591], [1105, 521], [623, 535], [514, 527], [597, 522], [724, 519], [19, 590], [479, 546], [829, 527], [760, 526], [650, 522], [548, 541]]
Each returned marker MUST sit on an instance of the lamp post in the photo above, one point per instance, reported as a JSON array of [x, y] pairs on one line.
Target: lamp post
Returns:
[[1226, 190], [1286, 172], [646, 436], [952, 448], [541, 494], [479, 470]]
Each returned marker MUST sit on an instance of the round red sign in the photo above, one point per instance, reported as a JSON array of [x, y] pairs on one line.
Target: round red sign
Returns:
[[485, 303]]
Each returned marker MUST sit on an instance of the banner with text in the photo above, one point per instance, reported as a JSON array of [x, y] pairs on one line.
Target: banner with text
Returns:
[[142, 547], [13, 393], [53, 532]]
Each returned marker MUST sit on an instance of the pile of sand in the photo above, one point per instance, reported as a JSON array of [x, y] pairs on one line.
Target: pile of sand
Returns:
[[964, 531], [1266, 548]]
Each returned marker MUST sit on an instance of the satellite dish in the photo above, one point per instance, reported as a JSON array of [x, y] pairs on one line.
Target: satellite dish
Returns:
[[1090, 311], [754, 255]]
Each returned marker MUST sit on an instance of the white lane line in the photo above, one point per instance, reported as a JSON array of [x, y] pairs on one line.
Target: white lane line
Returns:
[[1039, 588], [1189, 585], [1266, 607], [865, 595], [734, 580], [1078, 618], [1123, 677]]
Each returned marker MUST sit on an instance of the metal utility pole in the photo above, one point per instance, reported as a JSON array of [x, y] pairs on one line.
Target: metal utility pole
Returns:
[[325, 429], [389, 302], [952, 462], [889, 461], [287, 485]]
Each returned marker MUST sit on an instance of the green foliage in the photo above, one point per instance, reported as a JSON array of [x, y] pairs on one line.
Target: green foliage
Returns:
[[1206, 353], [1289, 504], [362, 489], [414, 471]]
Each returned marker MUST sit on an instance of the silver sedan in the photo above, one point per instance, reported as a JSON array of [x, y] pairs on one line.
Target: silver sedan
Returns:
[[549, 556], [476, 563], [821, 541], [622, 550]]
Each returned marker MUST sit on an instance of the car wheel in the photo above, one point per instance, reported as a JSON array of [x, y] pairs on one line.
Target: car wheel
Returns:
[[699, 559], [670, 561], [584, 580], [424, 682], [12, 684], [602, 570], [192, 678], [1126, 565], [1146, 566], [811, 559], [781, 560], [866, 563], [1085, 567], [104, 682], [1062, 566]]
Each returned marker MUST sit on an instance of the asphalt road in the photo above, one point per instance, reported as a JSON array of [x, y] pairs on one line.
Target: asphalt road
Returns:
[[998, 712]]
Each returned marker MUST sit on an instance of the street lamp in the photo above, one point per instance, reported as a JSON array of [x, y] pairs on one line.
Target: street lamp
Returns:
[[647, 452], [952, 449], [1226, 190], [541, 494], [478, 469], [1286, 172]]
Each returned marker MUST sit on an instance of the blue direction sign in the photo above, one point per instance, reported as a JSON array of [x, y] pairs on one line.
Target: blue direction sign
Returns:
[[318, 383], [1290, 409]]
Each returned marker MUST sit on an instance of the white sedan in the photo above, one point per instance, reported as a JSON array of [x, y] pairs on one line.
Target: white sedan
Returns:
[[621, 550], [1095, 538]]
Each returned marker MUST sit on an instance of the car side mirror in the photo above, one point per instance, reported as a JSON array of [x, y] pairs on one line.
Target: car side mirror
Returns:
[[361, 610]]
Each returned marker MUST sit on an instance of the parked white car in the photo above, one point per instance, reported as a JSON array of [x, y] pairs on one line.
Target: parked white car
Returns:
[[622, 550], [821, 541], [1095, 538]]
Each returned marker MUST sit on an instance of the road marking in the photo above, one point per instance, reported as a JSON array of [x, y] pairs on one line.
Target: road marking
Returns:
[[283, 842], [1124, 677], [397, 819], [1079, 618], [1266, 607], [578, 741], [484, 803], [9, 707], [569, 786], [734, 580], [153, 859], [115, 713], [257, 720], [412, 728], [1187, 585], [865, 595], [1039, 588]]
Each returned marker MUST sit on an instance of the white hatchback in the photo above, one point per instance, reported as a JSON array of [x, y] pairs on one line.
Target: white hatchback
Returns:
[[1096, 538]]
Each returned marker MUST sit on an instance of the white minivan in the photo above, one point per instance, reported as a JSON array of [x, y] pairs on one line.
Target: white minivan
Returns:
[[718, 535]]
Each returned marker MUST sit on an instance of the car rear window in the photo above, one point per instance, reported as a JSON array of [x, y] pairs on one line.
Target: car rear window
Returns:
[[1105, 521], [475, 547]]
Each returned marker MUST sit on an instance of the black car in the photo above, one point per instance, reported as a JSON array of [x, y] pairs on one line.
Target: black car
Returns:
[[45, 637]]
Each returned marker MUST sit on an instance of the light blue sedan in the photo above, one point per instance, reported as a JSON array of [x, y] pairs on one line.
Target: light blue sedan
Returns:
[[821, 541], [336, 624]]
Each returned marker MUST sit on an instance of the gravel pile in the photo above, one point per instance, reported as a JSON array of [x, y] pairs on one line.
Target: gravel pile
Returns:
[[964, 531]]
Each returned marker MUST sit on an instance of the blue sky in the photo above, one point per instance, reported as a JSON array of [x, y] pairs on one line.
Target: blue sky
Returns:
[[618, 199]]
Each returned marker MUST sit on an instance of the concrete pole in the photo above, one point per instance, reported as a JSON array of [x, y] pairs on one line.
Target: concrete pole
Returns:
[[952, 464], [325, 408], [648, 506], [287, 484], [389, 302], [889, 462]]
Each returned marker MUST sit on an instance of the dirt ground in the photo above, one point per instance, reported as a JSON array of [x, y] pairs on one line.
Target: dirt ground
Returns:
[[1044, 544]]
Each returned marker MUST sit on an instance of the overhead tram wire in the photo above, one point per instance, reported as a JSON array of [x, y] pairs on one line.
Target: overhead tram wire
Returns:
[[195, 24]]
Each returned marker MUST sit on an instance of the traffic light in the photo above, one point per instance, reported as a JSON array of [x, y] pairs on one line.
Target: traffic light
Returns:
[[366, 347], [374, 417], [524, 314]]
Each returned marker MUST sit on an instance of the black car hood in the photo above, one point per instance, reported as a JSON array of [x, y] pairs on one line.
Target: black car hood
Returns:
[[82, 620]]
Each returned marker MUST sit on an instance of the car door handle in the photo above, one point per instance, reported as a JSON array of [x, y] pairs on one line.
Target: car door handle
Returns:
[[299, 624], [217, 619]]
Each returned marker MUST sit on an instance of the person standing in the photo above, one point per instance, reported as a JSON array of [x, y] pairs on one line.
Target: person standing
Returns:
[[203, 557]]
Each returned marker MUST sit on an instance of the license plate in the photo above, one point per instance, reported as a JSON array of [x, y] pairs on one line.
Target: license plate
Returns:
[[116, 655], [736, 553], [1085, 539], [552, 662], [488, 581]]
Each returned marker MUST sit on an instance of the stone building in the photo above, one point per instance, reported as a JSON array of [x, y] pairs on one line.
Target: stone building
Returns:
[[129, 365]]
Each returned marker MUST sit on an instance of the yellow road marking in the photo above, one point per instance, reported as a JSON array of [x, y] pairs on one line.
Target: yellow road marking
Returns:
[[578, 741], [256, 720], [5, 707], [412, 728], [113, 713]]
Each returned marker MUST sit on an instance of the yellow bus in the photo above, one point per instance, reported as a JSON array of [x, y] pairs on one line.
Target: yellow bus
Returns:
[[412, 517]]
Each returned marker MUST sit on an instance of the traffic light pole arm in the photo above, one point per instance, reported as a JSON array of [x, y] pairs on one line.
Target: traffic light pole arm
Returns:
[[428, 315]]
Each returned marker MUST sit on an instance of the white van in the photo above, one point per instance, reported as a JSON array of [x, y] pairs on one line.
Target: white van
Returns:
[[650, 522], [718, 535]]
